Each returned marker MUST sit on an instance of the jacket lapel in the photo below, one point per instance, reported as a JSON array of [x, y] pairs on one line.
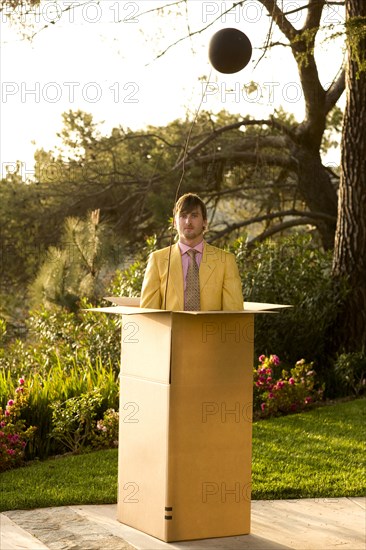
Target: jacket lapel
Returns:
[[208, 264], [176, 277]]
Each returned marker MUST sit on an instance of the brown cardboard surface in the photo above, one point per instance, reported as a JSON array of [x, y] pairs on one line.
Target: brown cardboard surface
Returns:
[[143, 455], [210, 429], [185, 452], [144, 337]]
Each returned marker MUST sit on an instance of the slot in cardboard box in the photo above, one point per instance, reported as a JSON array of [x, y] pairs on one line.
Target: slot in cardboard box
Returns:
[[185, 433]]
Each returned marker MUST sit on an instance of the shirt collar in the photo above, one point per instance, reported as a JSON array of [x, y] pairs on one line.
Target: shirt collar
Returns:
[[184, 247]]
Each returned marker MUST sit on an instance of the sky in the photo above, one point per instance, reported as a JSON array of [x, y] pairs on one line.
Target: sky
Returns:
[[102, 58]]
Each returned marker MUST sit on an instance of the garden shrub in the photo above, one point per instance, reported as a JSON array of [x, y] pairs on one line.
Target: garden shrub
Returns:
[[128, 282], [292, 271], [73, 420], [350, 370], [14, 434], [64, 337], [290, 392], [59, 385], [105, 433]]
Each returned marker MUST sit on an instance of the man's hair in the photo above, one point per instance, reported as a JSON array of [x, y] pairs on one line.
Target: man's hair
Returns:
[[188, 202]]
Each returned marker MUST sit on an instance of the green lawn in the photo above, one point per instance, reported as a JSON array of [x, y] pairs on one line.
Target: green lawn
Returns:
[[319, 453]]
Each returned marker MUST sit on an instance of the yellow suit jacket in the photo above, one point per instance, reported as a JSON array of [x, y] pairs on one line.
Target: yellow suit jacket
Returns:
[[220, 283]]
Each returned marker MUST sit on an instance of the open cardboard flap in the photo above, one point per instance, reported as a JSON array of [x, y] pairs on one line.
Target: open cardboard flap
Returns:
[[128, 306]]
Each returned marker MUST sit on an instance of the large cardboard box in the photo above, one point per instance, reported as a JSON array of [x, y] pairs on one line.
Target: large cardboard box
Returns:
[[185, 421]]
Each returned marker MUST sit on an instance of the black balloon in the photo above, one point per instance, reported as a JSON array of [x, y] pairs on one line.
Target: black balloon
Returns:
[[229, 51]]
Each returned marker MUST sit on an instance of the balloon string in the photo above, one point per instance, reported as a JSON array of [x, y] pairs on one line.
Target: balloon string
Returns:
[[185, 150]]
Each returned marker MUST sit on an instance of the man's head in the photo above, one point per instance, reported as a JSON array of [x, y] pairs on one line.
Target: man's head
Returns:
[[190, 219]]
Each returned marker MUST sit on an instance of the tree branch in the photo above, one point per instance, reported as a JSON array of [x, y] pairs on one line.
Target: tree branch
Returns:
[[227, 156], [335, 91], [199, 31], [278, 16], [238, 191], [278, 228], [276, 142], [307, 5], [308, 216], [315, 10], [236, 125]]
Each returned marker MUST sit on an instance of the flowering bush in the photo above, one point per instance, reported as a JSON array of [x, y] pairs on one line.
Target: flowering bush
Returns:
[[291, 392], [106, 431], [73, 420], [75, 427], [13, 434]]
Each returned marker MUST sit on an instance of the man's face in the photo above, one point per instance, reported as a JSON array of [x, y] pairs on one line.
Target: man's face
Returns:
[[190, 226]]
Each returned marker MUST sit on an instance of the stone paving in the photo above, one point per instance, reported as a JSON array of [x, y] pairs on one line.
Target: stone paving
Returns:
[[64, 529], [305, 524]]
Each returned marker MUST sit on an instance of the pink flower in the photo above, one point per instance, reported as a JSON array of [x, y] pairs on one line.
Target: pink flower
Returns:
[[2, 434], [263, 406], [261, 358], [10, 452], [271, 396], [2, 424], [291, 381], [275, 359], [10, 403], [280, 384], [308, 400], [19, 390], [21, 381], [7, 413], [101, 426]]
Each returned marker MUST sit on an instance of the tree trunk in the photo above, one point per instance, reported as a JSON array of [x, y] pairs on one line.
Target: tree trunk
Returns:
[[317, 190], [350, 240]]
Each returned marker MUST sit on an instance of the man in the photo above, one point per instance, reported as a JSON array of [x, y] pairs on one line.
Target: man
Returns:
[[201, 276]]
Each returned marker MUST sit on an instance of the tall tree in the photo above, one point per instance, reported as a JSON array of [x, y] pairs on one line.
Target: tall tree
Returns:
[[297, 148], [350, 241]]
